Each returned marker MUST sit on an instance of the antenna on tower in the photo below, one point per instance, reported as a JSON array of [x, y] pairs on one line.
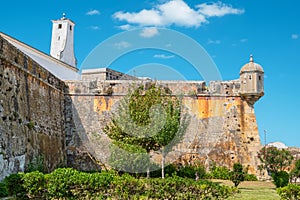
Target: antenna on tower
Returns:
[[251, 58]]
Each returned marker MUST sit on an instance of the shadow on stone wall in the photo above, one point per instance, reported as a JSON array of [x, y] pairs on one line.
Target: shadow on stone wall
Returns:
[[79, 154]]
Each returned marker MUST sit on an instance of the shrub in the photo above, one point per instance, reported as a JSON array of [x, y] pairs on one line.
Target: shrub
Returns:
[[14, 185], [126, 187], [191, 171], [61, 181], [290, 192], [79, 184], [280, 179], [169, 170], [295, 173], [34, 183], [237, 175], [3, 190], [68, 183], [181, 188], [250, 177], [219, 173]]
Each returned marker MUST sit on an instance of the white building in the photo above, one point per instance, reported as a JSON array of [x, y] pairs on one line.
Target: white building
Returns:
[[62, 62], [62, 42]]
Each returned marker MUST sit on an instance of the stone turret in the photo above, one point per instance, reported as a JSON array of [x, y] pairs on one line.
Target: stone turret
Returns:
[[252, 81], [62, 42]]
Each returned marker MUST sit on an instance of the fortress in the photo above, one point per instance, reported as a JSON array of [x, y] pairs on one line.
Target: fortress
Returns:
[[48, 109]]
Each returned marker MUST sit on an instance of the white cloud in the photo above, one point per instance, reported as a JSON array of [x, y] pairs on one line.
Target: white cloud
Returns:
[[213, 41], [218, 9], [126, 27], [244, 40], [94, 27], [163, 56], [122, 45], [179, 13], [149, 32], [176, 12], [93, 12], [295, 36], [144, 17]]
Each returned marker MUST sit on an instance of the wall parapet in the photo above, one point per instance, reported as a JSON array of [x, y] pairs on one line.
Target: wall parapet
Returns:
[[181, 88]]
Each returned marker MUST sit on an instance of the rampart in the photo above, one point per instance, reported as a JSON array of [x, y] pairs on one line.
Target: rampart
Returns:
[[31, 113], [42, 116], [223, 126]]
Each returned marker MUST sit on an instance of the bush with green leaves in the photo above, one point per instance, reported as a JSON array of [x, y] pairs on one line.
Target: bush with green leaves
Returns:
[[295, 173], [176, 187], [190, 171], [3, 190], [35, 184], [281, 178], [289, 192], [127, 187], [237, 175], [67, 183], [250, 177], [14, 185], [218, 173], [169, 171]]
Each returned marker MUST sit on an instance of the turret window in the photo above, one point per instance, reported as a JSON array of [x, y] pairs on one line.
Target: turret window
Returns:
[[70, 28], [59, 26], [259, 77], [250, 77]]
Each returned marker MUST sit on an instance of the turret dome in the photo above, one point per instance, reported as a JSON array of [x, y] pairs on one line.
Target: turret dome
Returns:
[[251, 67]]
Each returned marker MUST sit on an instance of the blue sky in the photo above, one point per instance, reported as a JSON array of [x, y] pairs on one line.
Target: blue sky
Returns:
[[228, 30]]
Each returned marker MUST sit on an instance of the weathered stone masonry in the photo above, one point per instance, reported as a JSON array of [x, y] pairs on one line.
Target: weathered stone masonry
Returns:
[[223, 126], [31, 113], [40, 115]]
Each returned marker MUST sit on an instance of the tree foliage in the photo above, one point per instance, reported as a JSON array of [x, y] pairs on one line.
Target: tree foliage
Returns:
[[148, 119], [289, 192], [237, 175], [280, 179], [274, 159], [295, 173]]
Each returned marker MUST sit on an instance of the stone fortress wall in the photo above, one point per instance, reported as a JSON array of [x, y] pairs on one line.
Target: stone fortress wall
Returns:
[[223, 126], [40, 115], [31, 113]]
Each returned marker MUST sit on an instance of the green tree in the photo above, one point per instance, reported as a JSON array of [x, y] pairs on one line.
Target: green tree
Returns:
[[274, 159], [173, 131], [280, 179], [237, 175], [128, 158], [295, 173], [148, 118]]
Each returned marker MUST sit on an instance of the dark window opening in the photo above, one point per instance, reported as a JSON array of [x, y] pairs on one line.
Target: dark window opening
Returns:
[[259, 77], [59, 26], [70, 28], [58, 37], [250, 77]]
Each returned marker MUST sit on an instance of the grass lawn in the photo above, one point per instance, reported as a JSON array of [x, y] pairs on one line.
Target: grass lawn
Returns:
[[254, 190]]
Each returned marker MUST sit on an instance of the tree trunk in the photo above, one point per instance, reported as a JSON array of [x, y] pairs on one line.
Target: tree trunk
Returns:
[[163, 165], [148, 172]]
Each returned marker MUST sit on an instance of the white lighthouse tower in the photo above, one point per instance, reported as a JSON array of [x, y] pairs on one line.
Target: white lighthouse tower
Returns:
[[62, 42]]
